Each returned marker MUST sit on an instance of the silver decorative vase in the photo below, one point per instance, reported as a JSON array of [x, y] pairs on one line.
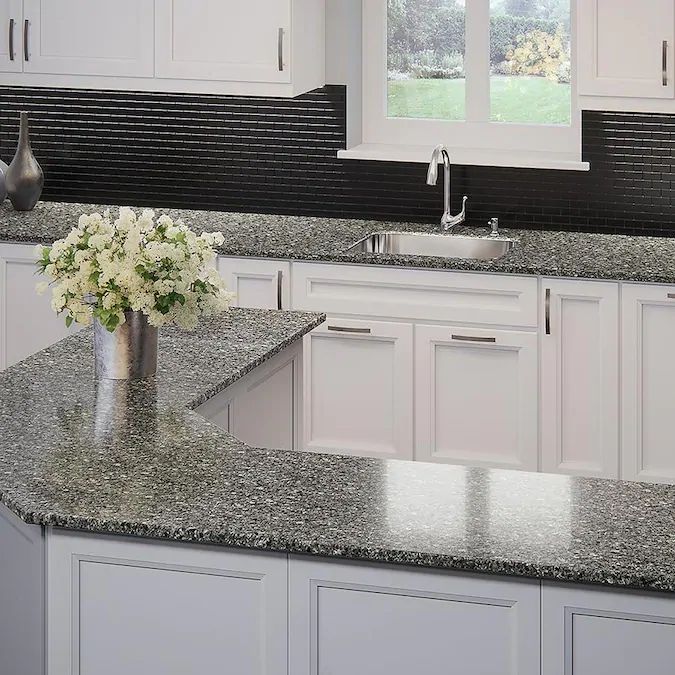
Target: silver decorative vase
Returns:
[[3, 188], [129, 352], [24, 179]]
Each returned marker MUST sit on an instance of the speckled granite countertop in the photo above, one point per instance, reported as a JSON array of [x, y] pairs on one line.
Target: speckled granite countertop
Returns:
[[136, 460], [564, 254]]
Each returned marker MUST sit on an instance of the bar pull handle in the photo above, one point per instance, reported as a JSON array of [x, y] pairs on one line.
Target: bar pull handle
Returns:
[[547, 304], [664, 62], [11, 40], [473, 338], [280, 50], [280, 288], [671, 296], [26, 55], [347, 329]]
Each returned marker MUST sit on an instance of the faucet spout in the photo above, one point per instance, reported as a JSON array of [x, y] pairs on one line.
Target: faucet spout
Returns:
[[441, 153]]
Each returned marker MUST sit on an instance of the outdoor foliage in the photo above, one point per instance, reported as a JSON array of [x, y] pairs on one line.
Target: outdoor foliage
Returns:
[[539, 53]]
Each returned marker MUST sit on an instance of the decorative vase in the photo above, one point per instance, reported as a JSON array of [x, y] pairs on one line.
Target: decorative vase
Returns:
[[3, 188], [24, 178], [129, 352]]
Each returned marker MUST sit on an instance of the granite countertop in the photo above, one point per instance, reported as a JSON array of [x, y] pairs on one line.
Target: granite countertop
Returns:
[[546, 253], [135, 459]]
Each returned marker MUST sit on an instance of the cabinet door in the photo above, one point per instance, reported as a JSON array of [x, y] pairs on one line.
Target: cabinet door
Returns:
[[11, 21], [224, 40], [580, 378], [358, 388], [476, 397], [27, 322], [176, 609], [589, 631], [627, 48], [262, 284], [90, 37], [648, 373], [348, 619]]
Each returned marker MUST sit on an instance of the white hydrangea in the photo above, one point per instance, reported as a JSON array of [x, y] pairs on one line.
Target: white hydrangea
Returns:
[[105, 267]]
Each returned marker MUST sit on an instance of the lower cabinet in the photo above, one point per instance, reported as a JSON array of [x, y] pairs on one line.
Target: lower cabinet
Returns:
[[476, 396], [353, 619], [129, 606], [588, 631], [262, 284], [358, 388], [580, 378], [27, 322], [648, 374]]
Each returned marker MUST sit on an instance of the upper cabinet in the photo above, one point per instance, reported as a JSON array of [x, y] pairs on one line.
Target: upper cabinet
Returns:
[[81, 37], [259, 47], [627, 48]]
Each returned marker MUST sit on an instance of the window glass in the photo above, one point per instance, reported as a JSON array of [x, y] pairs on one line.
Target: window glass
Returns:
[[530, 61], [425, 59]]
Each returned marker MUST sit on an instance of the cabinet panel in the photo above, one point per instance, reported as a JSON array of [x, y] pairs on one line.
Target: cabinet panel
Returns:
[[622, 48], [648, 373], [354, 619], [358, 388], [27, 322], [224, 40], [81, 37], [598, 632], [262, 284], [476, 397], [580, 378], [176, 609], [11, 26]]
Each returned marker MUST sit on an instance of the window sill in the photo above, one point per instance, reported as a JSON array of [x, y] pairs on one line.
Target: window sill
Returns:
[[467, 157]]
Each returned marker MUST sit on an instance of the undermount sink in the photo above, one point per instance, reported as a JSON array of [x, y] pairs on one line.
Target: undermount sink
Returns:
[[440, 245]]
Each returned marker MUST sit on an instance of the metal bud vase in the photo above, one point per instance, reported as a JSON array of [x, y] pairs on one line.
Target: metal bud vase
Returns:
[[128, 353], [24, 178], [3, 188]]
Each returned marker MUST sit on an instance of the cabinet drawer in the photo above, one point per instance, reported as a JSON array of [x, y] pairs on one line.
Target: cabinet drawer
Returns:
[[416, 294]]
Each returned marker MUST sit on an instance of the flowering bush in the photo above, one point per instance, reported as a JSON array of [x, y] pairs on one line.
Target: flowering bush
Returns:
[[160, 268], [540, 53]]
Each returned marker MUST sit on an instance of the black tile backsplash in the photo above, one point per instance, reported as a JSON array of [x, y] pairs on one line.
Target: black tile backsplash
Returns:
[[279, 156]]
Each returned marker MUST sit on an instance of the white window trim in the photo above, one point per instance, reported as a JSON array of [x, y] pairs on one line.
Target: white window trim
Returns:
[[477, 142]]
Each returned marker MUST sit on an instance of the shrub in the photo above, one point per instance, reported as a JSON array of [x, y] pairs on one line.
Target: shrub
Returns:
[[539, 53], [430, 65]]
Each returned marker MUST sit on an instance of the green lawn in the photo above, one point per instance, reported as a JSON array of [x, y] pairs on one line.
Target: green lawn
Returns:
[[529, 100]]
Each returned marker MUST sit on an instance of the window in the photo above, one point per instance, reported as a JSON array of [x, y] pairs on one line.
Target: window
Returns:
[[492, 79]]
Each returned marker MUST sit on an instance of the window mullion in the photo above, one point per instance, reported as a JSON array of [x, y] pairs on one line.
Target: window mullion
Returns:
[[477, 60]]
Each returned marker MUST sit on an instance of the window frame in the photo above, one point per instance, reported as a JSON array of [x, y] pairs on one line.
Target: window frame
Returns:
[[480, 134]]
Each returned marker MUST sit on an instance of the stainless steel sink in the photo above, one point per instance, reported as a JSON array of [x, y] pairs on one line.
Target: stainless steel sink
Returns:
[[440, 245]]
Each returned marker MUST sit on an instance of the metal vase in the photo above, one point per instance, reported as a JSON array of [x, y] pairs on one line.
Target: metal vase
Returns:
[[24, 178], [129, 352], [3, 188]]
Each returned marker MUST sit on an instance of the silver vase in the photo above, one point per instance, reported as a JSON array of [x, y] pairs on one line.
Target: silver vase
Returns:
[[129, 352], [3, 188], [24, 178]]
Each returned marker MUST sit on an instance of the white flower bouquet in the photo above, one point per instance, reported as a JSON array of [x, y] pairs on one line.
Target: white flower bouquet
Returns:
[[136, 263]]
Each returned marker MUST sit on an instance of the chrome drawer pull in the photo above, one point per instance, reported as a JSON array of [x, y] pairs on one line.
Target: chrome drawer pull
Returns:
[[664, 56], [25, 40], [548, 311], [671, 296], [471, 338], [280, 279], [346, 329], [280, 47], [11, 40]]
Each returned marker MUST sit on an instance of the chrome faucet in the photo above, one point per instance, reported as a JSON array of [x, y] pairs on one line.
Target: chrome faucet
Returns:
[[448, 220]]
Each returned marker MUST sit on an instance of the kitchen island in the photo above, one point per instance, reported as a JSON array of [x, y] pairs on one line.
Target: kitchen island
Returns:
[[146, 539]]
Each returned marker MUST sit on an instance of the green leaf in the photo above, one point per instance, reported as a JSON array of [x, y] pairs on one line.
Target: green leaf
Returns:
[[69, 321]]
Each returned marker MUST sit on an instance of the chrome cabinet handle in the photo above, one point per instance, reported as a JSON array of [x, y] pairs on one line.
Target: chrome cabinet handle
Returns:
[[280, 281], [11, 40], [25, 40], [473, 338], [548, 311], [347, 329], [280, 46], [664, 57], [671, 296]]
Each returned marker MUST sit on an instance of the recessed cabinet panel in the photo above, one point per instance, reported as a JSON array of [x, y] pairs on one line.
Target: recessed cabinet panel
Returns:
[[85, 37], [11, 22], [224, 40], [261, 284]]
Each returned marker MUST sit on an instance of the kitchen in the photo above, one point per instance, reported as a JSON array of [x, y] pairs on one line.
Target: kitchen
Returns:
[[467, 421]]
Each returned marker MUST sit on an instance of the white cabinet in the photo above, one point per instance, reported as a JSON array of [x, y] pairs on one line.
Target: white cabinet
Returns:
[[476, 396], [648, 374], [263, 284], [358, 388], [580, 377], [27, 322], [349, 619], [11, 22], [259, 41], [131, 606], [627, 48], [589, 631], [89, 37]]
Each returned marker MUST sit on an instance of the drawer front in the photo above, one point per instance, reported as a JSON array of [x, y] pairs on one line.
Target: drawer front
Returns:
[[416, 294]]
